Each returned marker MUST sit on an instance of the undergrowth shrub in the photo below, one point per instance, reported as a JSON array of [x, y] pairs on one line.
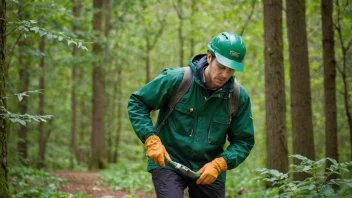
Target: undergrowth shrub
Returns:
[[130, 176], [27, 183], [241, 181], [317, 185]]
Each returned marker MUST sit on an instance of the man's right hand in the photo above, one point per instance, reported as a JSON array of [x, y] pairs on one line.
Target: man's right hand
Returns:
[[156, 150]]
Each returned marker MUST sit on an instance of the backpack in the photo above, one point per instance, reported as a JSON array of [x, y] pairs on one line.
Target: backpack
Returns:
[[183, 88]]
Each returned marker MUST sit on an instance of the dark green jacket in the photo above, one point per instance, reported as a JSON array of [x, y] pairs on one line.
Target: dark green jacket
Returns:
[[196, 131]]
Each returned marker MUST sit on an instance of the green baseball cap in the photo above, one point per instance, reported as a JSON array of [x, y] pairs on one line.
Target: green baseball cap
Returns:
[[229, 50]]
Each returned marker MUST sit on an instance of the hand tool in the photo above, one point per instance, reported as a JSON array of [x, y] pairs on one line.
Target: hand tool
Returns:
[[185, 169]]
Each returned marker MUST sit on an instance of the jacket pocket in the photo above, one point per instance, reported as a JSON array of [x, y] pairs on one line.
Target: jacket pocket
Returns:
[[217, 130], [183, 119]]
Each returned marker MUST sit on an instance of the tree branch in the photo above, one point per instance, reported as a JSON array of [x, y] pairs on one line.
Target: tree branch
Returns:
[[249, 18]]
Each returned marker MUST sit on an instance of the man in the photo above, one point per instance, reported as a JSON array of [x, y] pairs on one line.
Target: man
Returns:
[[195, 132]]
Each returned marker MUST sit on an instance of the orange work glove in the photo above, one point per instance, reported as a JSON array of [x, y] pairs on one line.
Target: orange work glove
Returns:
[[156, 150], [211, 170]]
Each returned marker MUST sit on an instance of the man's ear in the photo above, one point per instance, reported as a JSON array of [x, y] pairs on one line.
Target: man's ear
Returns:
[[209, 56]]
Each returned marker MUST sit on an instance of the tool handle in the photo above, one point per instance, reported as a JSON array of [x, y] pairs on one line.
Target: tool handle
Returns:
[[197, 175]]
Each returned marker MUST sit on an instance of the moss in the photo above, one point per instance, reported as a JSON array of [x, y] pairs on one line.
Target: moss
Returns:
[[4, 185]]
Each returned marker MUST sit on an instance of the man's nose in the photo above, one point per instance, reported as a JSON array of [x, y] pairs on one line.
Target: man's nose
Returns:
[[226, 72]]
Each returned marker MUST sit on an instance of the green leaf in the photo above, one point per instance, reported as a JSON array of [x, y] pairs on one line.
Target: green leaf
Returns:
[[14, 120], [69, 42], [35, 29], [49, 36], [311, 187], [307, 168], [83, 47], [299, 157], [42, 33], [20, 97], [332, 161]]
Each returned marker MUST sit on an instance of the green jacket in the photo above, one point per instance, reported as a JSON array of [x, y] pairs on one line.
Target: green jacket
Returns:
[[196, 131]]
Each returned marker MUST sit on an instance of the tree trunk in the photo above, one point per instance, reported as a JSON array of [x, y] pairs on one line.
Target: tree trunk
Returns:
[[179, 10], [42, 141], [301, 105], [331, 143], [119, 113], [275, 99], [193, 21], [4, 185], [23, 87], [147, 59], [98, 160], [73, 145], [107, 61], [343, 69]]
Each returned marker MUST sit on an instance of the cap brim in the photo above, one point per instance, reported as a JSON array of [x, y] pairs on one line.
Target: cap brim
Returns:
[[229, 63]]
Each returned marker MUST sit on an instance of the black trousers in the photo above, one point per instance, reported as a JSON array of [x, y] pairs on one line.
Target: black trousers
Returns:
[[171, 184]]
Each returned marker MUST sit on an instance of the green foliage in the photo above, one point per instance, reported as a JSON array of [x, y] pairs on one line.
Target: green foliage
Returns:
[[27, 182], [317, 185], [241, 181], [22, 118], [28, 26], [129, 175]]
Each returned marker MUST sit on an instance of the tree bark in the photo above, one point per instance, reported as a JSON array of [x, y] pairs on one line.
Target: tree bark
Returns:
[[331, 143], [193, 21], [98, 160], [119, 117], [107, 7], [23, 72], [275, 99], [4, 185], [42, 138], [343, 68], [179, 10], [301, 105], [73, 145], [147, 59]]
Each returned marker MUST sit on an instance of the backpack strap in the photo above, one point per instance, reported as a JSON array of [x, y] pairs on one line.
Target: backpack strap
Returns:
[[234, 100], [181, 90]]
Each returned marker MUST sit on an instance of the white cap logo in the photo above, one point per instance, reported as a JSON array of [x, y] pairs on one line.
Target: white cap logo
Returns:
[[236, 54]]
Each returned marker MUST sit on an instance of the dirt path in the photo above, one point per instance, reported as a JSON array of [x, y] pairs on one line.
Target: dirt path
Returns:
[[90, 184]]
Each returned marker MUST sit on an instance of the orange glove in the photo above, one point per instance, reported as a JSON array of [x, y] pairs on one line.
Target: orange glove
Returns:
[[156, 150], [211, 170]]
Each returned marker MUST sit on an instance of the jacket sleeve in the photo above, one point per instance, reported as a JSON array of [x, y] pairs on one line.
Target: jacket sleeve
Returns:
[[240, 134], [150, 97]]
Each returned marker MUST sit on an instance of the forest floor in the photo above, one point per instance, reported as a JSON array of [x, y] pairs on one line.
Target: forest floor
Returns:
[[92, 185]]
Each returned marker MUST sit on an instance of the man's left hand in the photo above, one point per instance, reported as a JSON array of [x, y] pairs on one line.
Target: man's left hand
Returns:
[[211, 170]]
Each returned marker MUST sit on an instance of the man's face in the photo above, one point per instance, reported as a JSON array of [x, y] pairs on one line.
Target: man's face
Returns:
[[216, 75]]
